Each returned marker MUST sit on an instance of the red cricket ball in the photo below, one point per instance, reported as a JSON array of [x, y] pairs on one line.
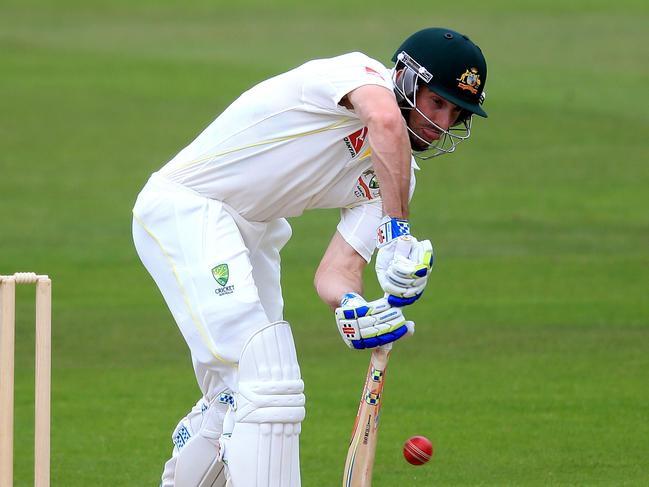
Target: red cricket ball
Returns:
[[418, 450]]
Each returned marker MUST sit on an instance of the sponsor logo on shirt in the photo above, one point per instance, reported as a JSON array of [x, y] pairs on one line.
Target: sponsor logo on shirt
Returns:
[[221, 274], [355, 141], [367, 186]]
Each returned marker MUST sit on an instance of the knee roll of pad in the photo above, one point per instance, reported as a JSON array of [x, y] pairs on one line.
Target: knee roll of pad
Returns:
[[275, 402]]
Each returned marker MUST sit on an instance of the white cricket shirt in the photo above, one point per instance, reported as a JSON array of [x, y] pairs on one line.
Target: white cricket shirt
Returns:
[[286, 145]]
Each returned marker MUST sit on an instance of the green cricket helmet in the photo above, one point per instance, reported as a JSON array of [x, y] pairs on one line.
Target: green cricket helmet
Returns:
[[450, 65]]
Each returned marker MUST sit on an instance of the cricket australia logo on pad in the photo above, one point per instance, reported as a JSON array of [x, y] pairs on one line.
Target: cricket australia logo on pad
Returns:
[[221, 274]]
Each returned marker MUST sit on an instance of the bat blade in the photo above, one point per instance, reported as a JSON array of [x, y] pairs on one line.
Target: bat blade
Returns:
[[360, 455]]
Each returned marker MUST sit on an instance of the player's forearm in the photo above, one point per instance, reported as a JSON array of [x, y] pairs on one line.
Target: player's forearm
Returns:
[[388, 136], [331, 285], [391, 160], [340, 271]]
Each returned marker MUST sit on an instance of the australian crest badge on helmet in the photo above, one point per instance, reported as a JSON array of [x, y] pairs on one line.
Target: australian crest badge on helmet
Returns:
[[469, 80]]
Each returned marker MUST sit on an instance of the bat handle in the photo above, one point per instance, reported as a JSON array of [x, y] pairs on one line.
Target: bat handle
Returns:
[[380, 355], [403, 246]]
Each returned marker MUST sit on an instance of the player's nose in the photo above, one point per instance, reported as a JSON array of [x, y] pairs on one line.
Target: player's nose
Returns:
[[445, 118]]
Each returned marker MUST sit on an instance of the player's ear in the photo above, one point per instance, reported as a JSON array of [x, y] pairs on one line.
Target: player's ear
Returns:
[[463, 117]]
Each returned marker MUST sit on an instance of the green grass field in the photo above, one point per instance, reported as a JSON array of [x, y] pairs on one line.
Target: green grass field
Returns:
[[531, 359]]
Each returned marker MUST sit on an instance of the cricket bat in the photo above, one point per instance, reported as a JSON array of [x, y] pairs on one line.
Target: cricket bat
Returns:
[[360, 455]]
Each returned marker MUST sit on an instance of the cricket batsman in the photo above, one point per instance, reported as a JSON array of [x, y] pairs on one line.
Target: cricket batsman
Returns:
[[210, 224]]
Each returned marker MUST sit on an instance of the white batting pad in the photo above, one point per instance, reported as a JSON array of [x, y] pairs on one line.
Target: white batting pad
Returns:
[[195, 461], [263, 450]]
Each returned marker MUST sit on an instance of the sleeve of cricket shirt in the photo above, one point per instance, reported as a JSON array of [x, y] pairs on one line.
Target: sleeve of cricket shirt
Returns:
[[331, 79], [358, 227], [358, 224]]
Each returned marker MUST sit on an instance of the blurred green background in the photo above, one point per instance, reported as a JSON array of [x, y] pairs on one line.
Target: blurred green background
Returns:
[[530, 364]]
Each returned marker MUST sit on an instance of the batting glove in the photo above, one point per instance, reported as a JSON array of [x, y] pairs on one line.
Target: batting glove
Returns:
[[402, 263], [406, 277], [365, 324]]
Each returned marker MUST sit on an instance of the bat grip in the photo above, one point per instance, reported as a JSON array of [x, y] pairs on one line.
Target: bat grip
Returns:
[[403, 246]]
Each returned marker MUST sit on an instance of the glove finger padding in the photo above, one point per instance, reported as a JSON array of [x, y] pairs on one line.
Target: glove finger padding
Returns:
[[399, 246], [421, 254], [407, 277], [399, 302], [407, 268], [403, 291], [382, 322], [402, 277], [368, 325]]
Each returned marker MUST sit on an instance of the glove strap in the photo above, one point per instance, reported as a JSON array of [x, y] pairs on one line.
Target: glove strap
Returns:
[[391, 228]]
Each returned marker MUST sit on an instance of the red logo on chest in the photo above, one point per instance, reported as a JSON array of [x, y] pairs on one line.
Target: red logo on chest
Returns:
[[355, 141]]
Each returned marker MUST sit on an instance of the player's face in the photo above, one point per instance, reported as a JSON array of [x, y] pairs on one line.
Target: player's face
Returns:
[[438, 110]]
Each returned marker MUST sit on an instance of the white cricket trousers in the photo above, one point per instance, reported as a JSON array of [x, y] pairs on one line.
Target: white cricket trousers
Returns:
[[218, 273]]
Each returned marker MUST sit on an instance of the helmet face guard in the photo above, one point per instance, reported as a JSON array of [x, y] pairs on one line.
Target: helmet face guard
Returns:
[[450, 65], [407, 76]]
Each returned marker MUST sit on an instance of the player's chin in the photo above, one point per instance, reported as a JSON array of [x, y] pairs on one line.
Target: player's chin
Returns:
[[418, 144]]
